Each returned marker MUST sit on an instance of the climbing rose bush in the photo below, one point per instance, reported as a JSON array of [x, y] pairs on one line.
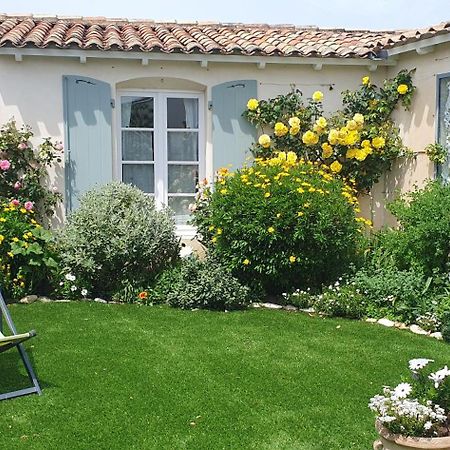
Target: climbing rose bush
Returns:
[[281, 223], [360, 141]]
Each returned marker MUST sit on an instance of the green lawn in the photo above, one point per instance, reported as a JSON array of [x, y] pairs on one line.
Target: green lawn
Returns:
[[128, 377]]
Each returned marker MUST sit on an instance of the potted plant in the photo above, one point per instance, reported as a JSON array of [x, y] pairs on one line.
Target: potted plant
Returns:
[[415, 415]]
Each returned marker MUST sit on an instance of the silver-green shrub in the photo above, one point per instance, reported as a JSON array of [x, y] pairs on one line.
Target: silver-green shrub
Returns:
[[117, 235]]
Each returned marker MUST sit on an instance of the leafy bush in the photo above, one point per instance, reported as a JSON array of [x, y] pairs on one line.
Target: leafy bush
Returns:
[[341, 301], [23, 170], [283, 223], [117, 235], [422, 240], [27, 255], [360, 141], [206, 285]]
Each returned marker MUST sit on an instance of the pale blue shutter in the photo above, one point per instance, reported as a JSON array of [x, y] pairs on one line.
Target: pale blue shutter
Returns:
[[88, 117], [232, 134]]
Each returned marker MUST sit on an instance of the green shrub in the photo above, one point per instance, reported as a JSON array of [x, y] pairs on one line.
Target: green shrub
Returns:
[[116, 236], [206, 285], [422, 240], [27, 255], [282, 223], [341, 301]]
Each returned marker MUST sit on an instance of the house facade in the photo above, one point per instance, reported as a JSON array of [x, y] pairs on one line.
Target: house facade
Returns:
[[159, 105]]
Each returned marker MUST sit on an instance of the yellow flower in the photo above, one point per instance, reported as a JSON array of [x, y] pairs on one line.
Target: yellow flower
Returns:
[[223, 191], [300, 214], [10, 254], [366, 81], [292, 259], [281, 156], [2, 219], [310, 138], [214, 239], [291, 157], [327, 150], [365, 143], [352, 125], [211, 227], [219, 231], [280, 129], [322, 122], [333, 136], [2, 238], [317, 96], [351, 153], [252, 104], [246, 262], [402, 89], [360, 155], [378, 142], [14, 239], [267, 194], [336, 167], [358, 118], [294, 131], [271, 230], [23, 210], [278, 215], [306, 205], [294, 122], [351, 138], [264, 141]]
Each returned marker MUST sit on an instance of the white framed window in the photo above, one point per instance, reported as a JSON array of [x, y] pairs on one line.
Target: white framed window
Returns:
[[161, 147]]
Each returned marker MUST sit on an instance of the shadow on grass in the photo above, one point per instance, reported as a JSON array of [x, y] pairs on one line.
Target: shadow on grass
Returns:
[[13, 375]]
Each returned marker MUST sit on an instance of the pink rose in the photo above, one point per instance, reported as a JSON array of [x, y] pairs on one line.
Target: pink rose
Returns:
[[17, 185], [22, 146], [4, 164], [59, 146], [15, 202], [29, 206]]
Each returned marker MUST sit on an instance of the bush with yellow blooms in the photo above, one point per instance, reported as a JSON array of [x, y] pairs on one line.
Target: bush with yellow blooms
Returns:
[[281, 223], [360, 141]]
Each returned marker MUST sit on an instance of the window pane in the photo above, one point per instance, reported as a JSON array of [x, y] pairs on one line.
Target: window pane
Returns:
[[444, 122], [137, 112], [182, 145], [180, 205], [139, 175], [182, 113], [137, 145], [182, 179]]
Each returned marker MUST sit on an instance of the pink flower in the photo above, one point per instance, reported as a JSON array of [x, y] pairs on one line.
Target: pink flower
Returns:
[[59, 146], [4, 164], [17, 185], [15, 202], [22, 146], [29, 206]]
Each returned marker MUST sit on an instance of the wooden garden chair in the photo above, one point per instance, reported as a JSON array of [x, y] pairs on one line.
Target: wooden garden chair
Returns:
[[16, 340]]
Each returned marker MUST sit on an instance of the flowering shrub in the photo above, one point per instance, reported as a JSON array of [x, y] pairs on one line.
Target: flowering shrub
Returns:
[[27, 256], [419, 408], [358, 142], [23, 170], [282, 223], [117, 235]]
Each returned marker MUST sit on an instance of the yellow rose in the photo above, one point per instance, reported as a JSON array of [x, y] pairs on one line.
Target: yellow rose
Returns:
[[402, 89], [281, 156], [291, 157], [333, 136], [294, 131], [365, 143], [378, 142], [358, 118], [280, 129], [246, 262], [264, 141], [327, 150], [271, 229], [310, 138], [292, 259], [352, 125], [317, 96], [351, 153], [2, 238], [321, 122], [366, 81], [352, 138], [336, 167], [252, 104], [360, 154], [294, 122]]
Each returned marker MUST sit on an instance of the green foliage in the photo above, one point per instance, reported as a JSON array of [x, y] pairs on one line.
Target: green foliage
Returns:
[[281, 223], [361, 137], [436, 153], [117, 235], [27, 255], [26, 176], [422, 240], [206, 285]]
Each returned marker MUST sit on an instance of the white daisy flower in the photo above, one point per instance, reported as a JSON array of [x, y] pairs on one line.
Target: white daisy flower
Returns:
[[402, 390], [419, 363]]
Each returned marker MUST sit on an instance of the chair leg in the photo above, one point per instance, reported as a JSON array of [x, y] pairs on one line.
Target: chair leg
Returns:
[[29, 369]]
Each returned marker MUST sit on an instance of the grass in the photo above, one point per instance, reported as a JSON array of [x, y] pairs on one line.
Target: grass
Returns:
[[128, 377]]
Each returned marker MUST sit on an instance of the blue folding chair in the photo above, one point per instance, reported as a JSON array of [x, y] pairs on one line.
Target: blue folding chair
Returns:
[[15, 340]]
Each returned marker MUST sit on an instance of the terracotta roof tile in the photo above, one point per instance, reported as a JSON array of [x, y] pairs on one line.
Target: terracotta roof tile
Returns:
[[207, 38]]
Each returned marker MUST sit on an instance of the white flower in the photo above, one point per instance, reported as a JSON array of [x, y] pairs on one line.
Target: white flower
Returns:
[[402, 390], [186, 251], [84, 292], [439, 376], [73, 288], [419, 363], [70, 277], [427, 425]]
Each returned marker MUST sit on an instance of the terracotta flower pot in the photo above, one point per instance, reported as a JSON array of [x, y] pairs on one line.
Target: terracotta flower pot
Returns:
[[389, 441]]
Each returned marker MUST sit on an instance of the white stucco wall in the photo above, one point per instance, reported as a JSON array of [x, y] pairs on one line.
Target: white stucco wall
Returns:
[[31, 92]]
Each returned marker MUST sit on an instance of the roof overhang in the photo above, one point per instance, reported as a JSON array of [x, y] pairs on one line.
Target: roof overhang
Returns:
[[421, 46]]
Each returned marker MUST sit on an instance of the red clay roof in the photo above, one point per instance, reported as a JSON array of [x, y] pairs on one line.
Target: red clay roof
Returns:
[[207, 38]]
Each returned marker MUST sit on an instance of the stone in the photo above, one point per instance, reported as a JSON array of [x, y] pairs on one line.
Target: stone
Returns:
[[403, 326], [417, 330], [308, 310], [28, 299], [437, 335], [370, 320], [291, 308], [271, 306], [44, 300], [62, 301], [256, 305], [386, 322], [99, 300]]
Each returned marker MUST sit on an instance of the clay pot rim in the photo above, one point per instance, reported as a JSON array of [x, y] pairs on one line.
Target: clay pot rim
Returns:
[[413, 442]]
